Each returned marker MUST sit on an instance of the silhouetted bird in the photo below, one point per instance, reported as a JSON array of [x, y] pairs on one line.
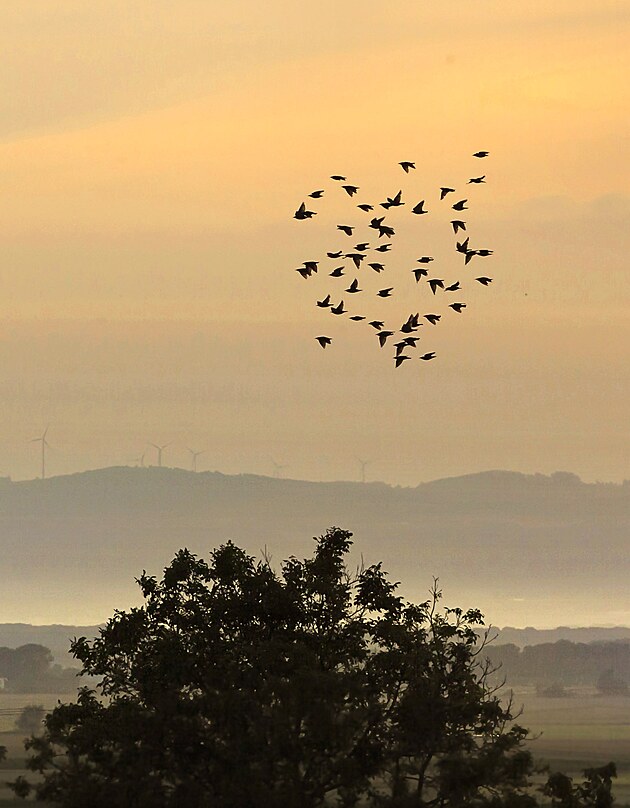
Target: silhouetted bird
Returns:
[[366, 208], [481, 154], [362, 247], [338, 177], [383, 336], [458, 225], [400, 347], [432, 318], [470, 254], [383, 248], [325, 303], [356, 257], [385, 292], [345, 228], [434, 283], [411, 341], [357, 317], [425, 259], [400, 359], [377, 324], [454, 287], [419, 273], [462, 246], [350, 189], [354, 287], [425, 357], [334, 254], [484, 281], [406, 165], [377, 267], [312, 265], [461, 205], [302, 213], [317, 194], [305, 272], [337, 273], [376, 222], [444, 191], [324, 341], [384, 230], [339, 309], [484, 252], [477, 180], [419, 208], [458, 307], [393, 202]]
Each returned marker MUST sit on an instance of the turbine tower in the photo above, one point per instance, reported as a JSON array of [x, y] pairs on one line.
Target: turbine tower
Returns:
[[363, 463], [139, 461], [193, 458], [160, 449], [45, 445], [277, 468]]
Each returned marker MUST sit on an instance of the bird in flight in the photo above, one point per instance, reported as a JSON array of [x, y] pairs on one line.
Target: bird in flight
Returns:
[[400, 359], [354, 287], [481, 154], [325, 303], [305, 272], [419, 208], [376, 266], [337, 273], [432, 318], [337, 177], [394, 202], [362, 247], [406, 165], [454, 287], [418, 273], [383, 336], [377, 324], [461, 205], [339, 309], [357, 317], [484, 281], [477, 180], [434, 283], [366, 208], [324, 341], [484, 252], [384, 230], [462, 246], [425, 357], [350, 189], [316, 194], [312, 265], [444, 190], [426, 259], [345, 228], [458, 225], [457, 307], [385, 292], [356, 257], [334, 254], [302, 213], [384, 248]]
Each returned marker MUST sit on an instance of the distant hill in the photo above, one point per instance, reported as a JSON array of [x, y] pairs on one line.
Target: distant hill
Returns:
[[526, 549]]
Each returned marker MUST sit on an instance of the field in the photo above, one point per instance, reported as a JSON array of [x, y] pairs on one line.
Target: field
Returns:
[[571, 734]]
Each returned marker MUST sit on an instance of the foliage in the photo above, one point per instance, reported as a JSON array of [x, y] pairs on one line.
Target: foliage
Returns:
[[31, 719], [236, 685], [596, 790]]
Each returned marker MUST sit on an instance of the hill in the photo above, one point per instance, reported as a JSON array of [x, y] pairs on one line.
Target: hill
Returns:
[[526, 549]]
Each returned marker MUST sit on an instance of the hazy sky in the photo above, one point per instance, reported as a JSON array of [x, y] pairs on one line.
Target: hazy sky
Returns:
[[152, 155]]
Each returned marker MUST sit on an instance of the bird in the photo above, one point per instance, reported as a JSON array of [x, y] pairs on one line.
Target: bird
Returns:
[[339, 309], [410, 325], [411, 341], [357, 317], [461, 205], [454, 287], [366, 208], [418, 273], [324, 341], [470, 254], [393, 202], [377, 324], [477, 180], [302, 213], [419, 208], [337, 177], [434, 283], [384, 230], [383, 248], [406, 165], [462, 246], [432, 318], [376, 266], [427, 356], [484, 281], [444, 191], [312, 265], [304, 272], [325, 303], [376, 222], [400, 359], [354, 287], [362, 247], [337, 273], [350, 189], [383, 336], [481, 154], [356, 257], [385, 292], [457, 307], [334, 254], [400, 346], [458, 225], [425, 259], [484, 252], [345, 228], [317, 194]]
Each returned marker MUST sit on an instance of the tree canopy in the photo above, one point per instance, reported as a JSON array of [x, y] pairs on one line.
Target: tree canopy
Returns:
[[237, 685]]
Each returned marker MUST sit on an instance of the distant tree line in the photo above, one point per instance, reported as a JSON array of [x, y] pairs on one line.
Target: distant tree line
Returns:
[[31, 669], [239, 685], [562, 662]]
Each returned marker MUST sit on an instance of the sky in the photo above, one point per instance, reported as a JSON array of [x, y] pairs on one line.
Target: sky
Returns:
[[152, 155]]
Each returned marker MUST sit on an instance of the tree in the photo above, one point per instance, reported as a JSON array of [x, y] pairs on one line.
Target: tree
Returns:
[[30, 720], [610, 685], [235, 685]]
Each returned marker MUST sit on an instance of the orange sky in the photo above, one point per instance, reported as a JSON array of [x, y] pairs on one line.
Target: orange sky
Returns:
[[152, 155]]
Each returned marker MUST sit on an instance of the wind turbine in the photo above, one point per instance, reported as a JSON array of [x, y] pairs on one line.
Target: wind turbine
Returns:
[[139, 461], [277, 468], [194, 456], [160, 449], [45, 445], [363, 463]]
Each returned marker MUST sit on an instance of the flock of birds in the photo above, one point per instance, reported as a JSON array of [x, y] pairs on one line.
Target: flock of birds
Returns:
[[405, 337]]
